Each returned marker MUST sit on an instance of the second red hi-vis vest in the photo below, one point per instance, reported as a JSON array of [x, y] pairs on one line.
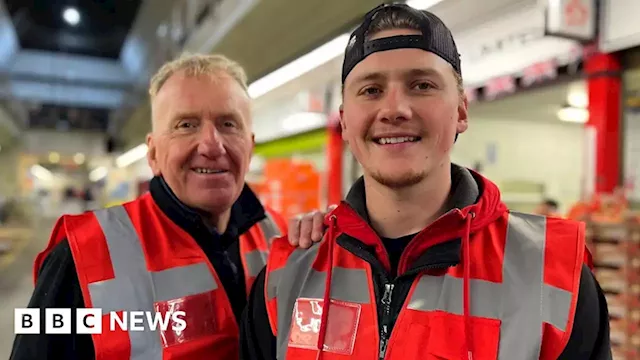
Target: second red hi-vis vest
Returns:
[[523, 276], [133, 258]]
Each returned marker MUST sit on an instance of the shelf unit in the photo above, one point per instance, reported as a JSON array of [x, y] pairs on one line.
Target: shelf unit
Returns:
[[616, 255]]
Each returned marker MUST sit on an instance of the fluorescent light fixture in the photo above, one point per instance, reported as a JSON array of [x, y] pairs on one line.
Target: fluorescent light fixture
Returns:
[[300, 66], [41, 173], [304, 121], [422, 4], [79, 158], [312, 60], [98, 173], [71, 15], [54, 157], [132, 156], [573, 114], [578, 99]]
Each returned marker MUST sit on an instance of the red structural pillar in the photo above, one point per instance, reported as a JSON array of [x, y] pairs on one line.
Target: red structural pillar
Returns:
[[604, 88], [335, 149]]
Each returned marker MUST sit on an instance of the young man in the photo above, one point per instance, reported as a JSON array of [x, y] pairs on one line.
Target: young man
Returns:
[[195, 242], [423, 260]]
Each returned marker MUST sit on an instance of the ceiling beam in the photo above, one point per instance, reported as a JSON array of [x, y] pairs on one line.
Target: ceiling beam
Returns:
[[63, 94], [140, 52], [35, 64]]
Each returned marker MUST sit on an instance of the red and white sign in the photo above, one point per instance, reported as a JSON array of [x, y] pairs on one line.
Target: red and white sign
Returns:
[[499, 86], [539, 72], [342, 325], [575, 19]]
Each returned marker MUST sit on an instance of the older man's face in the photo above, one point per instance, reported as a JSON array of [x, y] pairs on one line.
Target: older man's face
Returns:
[[202, 141]]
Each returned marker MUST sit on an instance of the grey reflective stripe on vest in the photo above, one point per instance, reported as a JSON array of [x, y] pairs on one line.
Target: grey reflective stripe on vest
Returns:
[[522, 301], [269, 228], [134, 287], [257, 259], [299, 280]]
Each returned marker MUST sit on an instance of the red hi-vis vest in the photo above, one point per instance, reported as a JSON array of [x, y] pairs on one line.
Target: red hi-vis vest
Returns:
[[134, 258], [524, 279]]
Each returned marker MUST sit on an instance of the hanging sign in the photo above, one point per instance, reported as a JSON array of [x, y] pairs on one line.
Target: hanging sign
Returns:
[[572, 19]]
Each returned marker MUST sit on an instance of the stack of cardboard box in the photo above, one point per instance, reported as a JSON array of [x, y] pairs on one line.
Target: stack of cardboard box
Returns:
[[616, 254]]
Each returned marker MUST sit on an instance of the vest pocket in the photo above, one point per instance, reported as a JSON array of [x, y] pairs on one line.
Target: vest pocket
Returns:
[[447, 337]]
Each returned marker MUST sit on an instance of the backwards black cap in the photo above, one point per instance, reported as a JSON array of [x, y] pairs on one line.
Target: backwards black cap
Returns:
[[435, 38]]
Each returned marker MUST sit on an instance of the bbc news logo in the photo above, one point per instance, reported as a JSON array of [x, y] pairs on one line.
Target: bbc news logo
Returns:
[[90, 321]]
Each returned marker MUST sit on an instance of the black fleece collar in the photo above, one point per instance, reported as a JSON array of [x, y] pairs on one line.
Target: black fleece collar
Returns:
[[245, 212], [464, 192]]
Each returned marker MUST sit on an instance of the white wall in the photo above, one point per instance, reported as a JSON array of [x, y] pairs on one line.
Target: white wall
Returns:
[[631, 154], [547, 152]]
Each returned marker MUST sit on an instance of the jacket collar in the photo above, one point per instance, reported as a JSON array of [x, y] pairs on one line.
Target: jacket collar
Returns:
[[464, 192], [245, 212], [470, 192]]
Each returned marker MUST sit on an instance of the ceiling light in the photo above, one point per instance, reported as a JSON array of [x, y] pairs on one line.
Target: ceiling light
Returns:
[[573, 114], [54, 157], [312, 60], [78, 158], [41, 173], [71, 16], [300, 66], [578, 99], [131, 156], [98, 173]]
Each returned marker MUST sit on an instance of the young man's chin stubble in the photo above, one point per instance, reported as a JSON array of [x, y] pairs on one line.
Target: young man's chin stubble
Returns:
[[398, 183]]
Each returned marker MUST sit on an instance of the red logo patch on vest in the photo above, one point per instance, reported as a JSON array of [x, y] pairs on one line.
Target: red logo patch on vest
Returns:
[[198, 310], [342, 325]]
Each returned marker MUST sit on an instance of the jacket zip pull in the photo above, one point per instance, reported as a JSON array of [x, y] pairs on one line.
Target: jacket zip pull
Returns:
[[384, 333]]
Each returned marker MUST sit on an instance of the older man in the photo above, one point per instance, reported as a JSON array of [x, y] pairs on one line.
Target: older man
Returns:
[[194, 243]]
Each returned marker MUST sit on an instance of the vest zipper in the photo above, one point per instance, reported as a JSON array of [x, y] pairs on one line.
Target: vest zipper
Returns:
[[386, 319], [391, 306]]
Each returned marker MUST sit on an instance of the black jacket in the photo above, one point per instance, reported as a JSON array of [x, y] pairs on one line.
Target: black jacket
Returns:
[[58, 285], [589, 338]]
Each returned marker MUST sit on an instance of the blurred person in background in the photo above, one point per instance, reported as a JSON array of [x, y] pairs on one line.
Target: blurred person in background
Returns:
[[423, 260], [71, 203], [547, 207], [195, 241], [88, 198]]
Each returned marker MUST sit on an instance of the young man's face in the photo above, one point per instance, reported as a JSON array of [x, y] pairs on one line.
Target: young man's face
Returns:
[[202, 140], [401, 112]]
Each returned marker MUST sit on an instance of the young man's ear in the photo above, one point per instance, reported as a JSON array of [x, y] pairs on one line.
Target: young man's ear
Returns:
[[343, 126], [463, 115]]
